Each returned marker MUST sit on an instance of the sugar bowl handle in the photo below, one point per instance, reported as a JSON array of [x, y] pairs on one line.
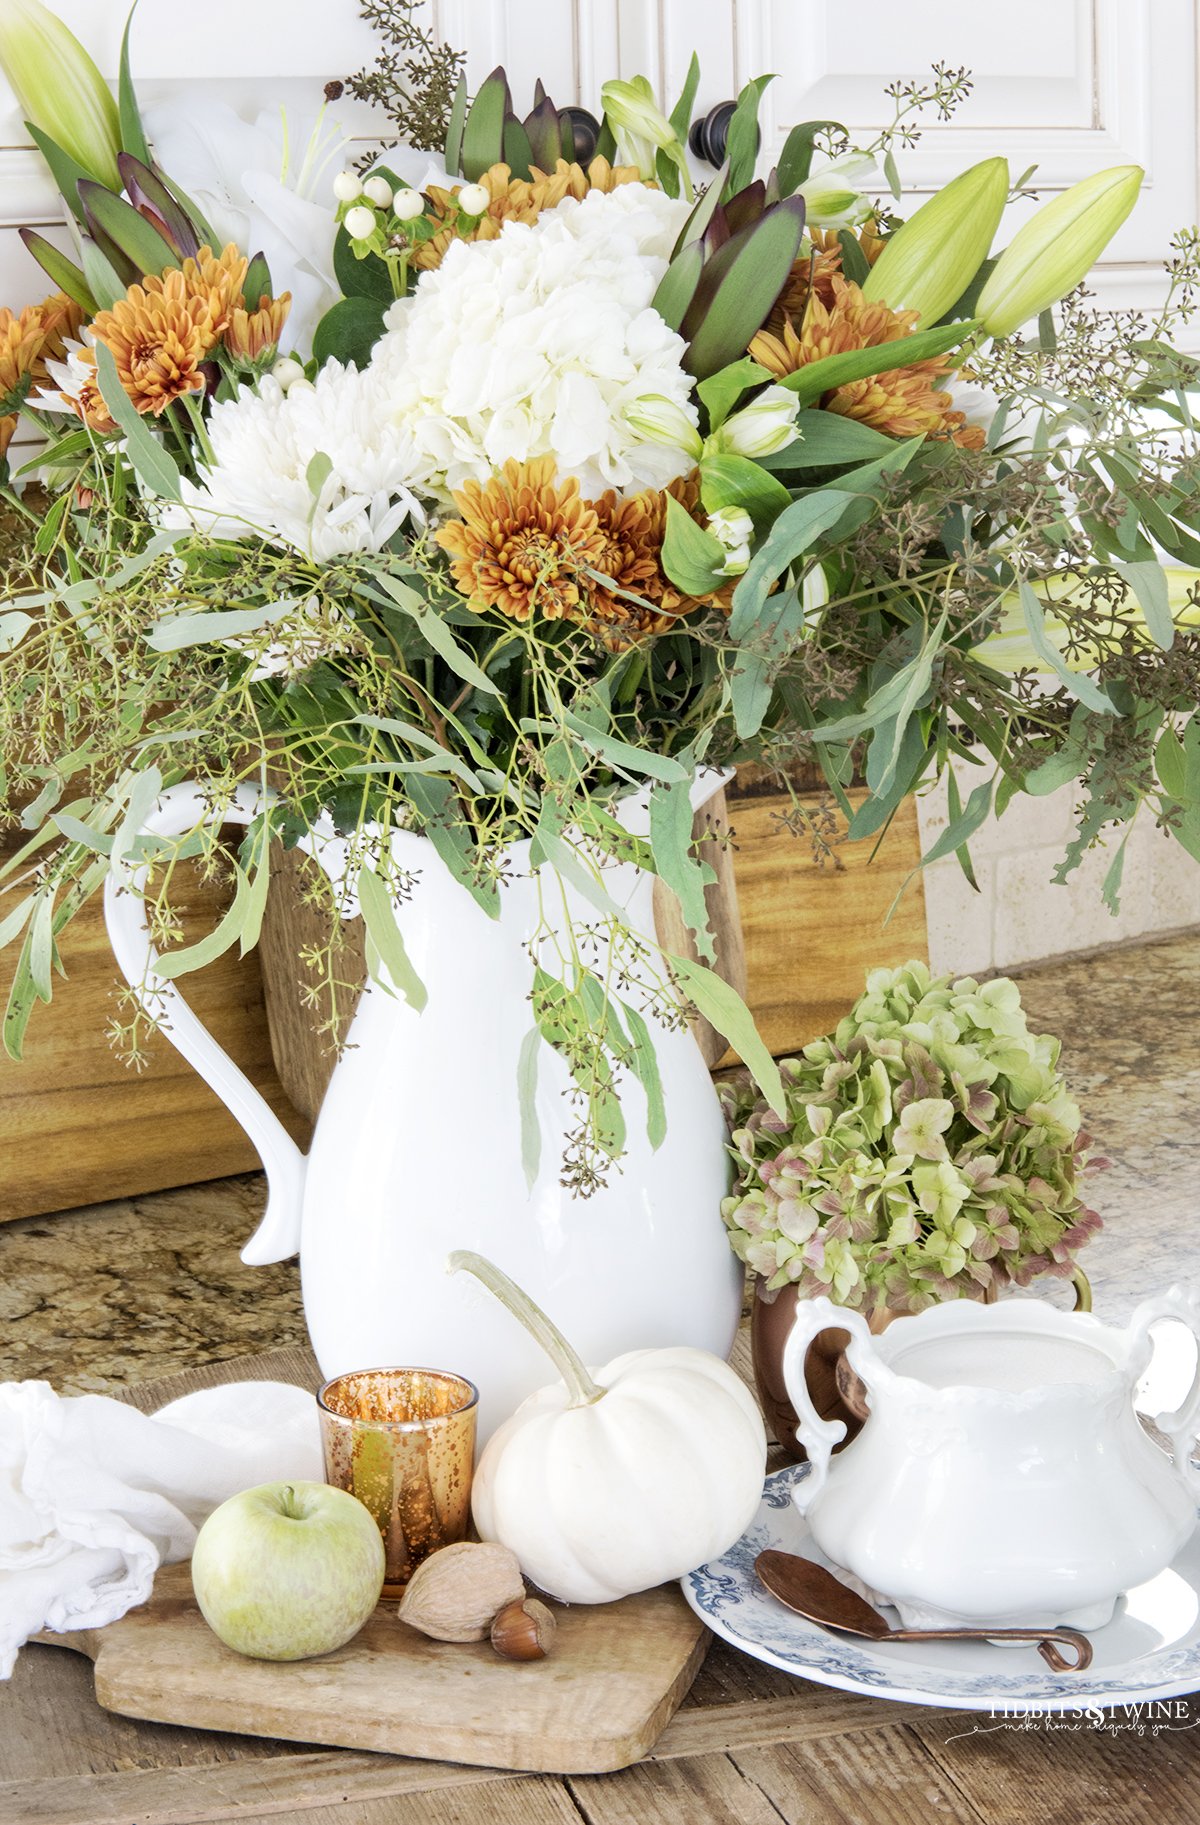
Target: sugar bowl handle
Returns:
[[817, 1435], [1182, 1425]]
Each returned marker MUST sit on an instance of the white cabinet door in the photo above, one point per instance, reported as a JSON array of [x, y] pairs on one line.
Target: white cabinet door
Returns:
[[1068, 85]]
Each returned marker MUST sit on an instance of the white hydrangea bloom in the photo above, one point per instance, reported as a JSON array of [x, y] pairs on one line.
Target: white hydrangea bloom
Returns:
[[539, 343], [264, 444]]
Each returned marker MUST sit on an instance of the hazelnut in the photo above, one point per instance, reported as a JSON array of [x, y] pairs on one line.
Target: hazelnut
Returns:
[[454, 1594], [524, 1630]]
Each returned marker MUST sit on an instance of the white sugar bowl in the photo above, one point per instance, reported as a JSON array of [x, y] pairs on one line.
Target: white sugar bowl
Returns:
[[1003, 1476]]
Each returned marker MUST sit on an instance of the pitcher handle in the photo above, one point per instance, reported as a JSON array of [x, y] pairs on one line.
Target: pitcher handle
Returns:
[[180, 809], [1182, 1425], [817, 1435]]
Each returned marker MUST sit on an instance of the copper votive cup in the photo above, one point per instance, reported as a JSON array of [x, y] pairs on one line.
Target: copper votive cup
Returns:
[[403, 1442]]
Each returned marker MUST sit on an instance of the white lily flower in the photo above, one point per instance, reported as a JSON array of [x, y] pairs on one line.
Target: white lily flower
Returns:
[[664, 421], [766, 425], [835, 196], [733, 528], [263, 185]]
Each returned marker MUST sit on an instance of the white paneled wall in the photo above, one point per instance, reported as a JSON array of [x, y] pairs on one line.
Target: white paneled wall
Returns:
[[1068, 85]]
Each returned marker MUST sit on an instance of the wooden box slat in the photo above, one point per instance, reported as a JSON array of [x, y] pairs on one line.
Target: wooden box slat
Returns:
[[78, 1126]]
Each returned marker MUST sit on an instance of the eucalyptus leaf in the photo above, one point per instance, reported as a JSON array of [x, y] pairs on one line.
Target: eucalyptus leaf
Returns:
[[1078, 683], [723, 1006], [644, 1064], [154, 466], [671, 819], [1149, 584], [531, 1129], [13, 629], [438, 806], [379, 917], [179, 631], [436, 632]]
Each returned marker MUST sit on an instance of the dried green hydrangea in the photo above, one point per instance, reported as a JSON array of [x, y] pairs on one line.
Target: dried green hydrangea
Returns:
[[930, 1150]]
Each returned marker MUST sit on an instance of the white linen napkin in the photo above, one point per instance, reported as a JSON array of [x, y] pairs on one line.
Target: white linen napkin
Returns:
[[94, 1495]]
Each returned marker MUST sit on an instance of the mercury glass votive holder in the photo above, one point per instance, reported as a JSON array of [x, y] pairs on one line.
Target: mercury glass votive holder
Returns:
[[403, 1442]]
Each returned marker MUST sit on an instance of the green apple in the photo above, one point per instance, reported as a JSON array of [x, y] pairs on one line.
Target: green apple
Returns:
[[288, 1570]]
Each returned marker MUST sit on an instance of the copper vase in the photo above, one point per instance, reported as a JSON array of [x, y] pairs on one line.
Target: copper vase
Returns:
[[771, 1320]]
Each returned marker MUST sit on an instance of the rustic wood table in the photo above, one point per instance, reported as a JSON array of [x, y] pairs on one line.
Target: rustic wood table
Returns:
[[749, 1746]]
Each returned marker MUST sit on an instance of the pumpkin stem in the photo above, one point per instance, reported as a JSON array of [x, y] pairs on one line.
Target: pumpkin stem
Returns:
[[583, 1391]]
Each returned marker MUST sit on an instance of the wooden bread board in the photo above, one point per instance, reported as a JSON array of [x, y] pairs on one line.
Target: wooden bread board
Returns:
[[597, 1703]]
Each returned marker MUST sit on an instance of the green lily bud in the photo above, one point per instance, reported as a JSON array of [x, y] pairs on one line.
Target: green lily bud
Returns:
[[928, 263], [59, 88], [1049, 256]]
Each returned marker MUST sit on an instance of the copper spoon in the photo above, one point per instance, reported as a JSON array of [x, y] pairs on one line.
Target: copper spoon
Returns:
[[812, 1591]]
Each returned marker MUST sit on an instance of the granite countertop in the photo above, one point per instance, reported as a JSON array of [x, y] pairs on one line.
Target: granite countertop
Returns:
[[98, 1298]]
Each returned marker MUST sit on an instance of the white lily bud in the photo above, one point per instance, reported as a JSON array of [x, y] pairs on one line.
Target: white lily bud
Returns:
[[766, 425], [835, 196], [346, 186], [474, 199], [377, 190], [733, 528], [360, 222], [287, 371], [661, 421], [407, 205]]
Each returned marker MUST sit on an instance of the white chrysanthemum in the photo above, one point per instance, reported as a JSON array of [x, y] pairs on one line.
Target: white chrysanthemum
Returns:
[[539, 342], [264, 445]]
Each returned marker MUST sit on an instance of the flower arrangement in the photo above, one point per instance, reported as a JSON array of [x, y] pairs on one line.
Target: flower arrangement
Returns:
[[580, 473], [928, 1150]]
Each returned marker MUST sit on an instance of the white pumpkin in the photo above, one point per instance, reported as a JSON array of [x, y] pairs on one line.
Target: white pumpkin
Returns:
[[608, 1484]]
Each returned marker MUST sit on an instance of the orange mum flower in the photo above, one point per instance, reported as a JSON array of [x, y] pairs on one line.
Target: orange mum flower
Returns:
[[633, 532], [27, 342], [522, 542], [903, 402], [215, 281], [252, 334], [518, 200], [159, 334], [816, 271]]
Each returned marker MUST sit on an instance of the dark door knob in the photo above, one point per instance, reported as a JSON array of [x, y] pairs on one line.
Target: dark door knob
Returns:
[[584, 129], [709, 138]]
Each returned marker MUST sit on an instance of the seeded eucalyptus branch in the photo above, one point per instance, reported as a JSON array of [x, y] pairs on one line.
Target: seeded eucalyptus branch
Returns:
[[413, 77]]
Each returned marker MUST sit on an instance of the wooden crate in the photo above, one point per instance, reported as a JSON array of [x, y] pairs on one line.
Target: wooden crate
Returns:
[[812, 929], [77, 1126]]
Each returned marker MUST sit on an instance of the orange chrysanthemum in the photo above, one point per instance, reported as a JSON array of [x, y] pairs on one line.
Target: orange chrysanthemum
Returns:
[[903, 402], [159, 334], [641, 599], [251, 335], [815, 272], [39, 334], [518, 200], [523, 542], [215, 281]]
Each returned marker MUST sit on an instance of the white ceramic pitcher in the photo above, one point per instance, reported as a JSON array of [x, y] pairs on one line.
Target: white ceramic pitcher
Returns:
[[417, 1149], [1002, 1476]]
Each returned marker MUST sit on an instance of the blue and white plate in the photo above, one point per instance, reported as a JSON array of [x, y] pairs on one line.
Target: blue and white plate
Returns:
[[1150, 1650]]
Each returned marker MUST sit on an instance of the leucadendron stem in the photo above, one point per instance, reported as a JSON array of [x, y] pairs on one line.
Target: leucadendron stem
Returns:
[[580, 1386]]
